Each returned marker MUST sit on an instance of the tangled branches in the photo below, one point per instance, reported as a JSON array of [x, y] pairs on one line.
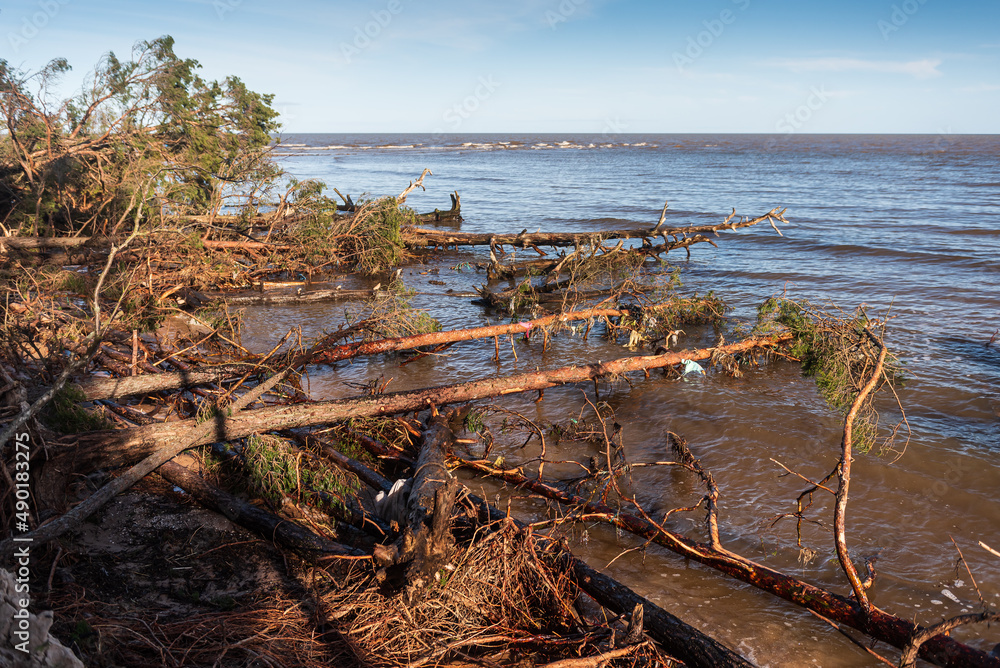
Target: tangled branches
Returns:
[[841, 353]]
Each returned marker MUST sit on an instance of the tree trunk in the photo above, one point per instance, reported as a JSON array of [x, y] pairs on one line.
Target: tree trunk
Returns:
[[95, 388], [284, 532]]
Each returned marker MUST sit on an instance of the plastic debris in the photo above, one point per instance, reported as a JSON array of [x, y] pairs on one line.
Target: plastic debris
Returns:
[[691, 367]]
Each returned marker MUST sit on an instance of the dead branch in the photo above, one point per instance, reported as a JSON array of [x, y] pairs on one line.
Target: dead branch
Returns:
[[419, 237], [663, 216], [419, 183], [686, 458], [323, 353], [844, 479]]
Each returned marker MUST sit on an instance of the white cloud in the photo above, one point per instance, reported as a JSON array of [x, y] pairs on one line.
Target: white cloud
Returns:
[[980, 88], [921, 69]]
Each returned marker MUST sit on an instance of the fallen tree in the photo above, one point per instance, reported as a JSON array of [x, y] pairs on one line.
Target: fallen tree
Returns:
[[868, 355], [419, 237], [94, 388], [116, 448]]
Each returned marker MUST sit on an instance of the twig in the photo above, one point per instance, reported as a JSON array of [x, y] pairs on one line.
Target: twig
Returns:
[[909, 656], [961, 558], [988, 548], [854, 640], [680, 447], [799, 475]]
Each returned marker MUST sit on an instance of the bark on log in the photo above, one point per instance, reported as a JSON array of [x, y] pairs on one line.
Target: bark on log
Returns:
[[285, 533], [283, 297], [430, 472], [428, 540], [116, 448], [95, 388], [940, 650], [43, 242]]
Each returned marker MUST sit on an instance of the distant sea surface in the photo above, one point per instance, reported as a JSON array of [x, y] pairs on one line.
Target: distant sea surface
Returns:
[[909, 224]]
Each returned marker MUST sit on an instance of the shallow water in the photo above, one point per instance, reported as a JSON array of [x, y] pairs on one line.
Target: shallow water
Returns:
[[907, 221]]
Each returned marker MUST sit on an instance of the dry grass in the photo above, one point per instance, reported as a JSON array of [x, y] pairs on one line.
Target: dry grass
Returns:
[[501, 599]]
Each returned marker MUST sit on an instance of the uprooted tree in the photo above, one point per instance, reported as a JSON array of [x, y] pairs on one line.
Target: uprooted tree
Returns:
[[144, 132]]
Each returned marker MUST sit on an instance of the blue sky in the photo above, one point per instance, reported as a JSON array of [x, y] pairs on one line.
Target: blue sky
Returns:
[[925, 66]]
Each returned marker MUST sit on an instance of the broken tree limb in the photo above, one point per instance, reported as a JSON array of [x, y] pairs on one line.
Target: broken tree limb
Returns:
[[373, 479], [663, 216], [844, 481], [416, 237], [419, 183], [555, 266], [271, 527], [116, 448], [940, 650], [448, 215], [349, 350]]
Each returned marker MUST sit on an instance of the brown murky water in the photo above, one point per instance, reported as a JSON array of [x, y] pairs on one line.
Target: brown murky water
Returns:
[[867, 249]]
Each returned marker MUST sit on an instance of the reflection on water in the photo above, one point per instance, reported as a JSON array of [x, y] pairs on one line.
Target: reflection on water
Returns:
[[906, 222]]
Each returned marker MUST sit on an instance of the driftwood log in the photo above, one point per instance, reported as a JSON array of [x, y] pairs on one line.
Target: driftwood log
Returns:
[[449, 215]]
